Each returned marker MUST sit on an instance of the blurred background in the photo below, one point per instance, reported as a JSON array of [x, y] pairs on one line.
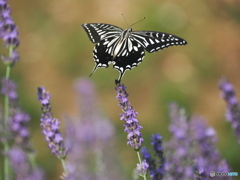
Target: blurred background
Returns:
[[55, 51]]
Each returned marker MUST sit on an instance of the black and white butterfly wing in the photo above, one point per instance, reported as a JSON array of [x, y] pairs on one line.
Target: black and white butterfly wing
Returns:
[[99, 31], [125, 48], [130, 56], [153, 41], [101, 56]]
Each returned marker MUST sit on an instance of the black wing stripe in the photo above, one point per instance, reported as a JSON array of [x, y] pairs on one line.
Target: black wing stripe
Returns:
[[153, 41], [98, 31]]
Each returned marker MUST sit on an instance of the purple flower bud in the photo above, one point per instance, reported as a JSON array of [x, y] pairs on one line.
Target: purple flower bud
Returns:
[[43, 96], [207, 154], [131, 125], [157, 147], [157, 144], [50, 125], [88, 138], [151, 162], [10, 59], [142, 168], [193, 155], [233, 107], [3, 6], [179, 163], [156, 166], [18, 123], [8, 32], [9, 89], [21, 166]]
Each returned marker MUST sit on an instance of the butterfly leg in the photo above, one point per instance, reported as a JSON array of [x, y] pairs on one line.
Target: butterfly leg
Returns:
[[122, 72], [94, 69], [120, 77]]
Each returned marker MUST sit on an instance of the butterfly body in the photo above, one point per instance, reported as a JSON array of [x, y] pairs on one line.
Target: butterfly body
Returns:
[[125, 48]]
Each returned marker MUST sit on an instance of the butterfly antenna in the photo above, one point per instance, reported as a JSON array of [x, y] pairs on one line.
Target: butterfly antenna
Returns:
[[138, 21], [125, 20]]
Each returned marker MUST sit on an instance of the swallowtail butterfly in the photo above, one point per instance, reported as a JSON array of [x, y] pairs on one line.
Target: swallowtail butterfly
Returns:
[[125, 48]]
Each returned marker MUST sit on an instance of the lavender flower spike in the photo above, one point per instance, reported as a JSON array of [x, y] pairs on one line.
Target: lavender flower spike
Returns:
[[150, 161], [8, 32], [131, 125], [157, 147], [21, 166], [9, 89], [18, 122], [233, 108], [50, 125], [156, 167]]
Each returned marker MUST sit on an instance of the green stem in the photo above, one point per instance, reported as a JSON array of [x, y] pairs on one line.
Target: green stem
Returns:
[[31, 157], [6, 161], [64, 165], [139, 157], [6, 100], [6, 117], [140, 161]]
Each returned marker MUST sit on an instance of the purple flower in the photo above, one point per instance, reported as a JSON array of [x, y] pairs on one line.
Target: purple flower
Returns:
[[156, 166], [18, 122], [8, 32], [233, 107], [131, 125], [9, 89], [142, 168], [228, 93], [10, 59], [157, 147], [92, 120], [89, 138], [192, 152], [21, 166], [150, 161], [87, 96], [208, 157], [50, 125], [179, 156]]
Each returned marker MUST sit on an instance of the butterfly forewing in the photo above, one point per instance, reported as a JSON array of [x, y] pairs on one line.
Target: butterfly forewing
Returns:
[[153, 41], [98, 31]]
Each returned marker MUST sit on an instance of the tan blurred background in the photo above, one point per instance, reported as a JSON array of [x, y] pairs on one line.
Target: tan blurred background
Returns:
[[55, 51]]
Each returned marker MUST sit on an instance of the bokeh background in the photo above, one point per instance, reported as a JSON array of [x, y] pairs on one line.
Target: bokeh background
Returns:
[[55, 51]]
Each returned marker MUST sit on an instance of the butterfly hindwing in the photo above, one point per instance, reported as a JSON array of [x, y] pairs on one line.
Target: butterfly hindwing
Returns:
[[153, 41], [101, 56], [129, 59]]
